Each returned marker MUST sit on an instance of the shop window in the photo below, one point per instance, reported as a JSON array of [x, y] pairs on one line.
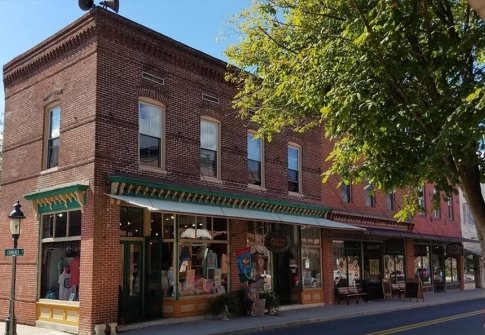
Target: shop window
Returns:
[[451, 270], [346, 263], [394, 268], [469, 268], [131, 221], [60, 263], [257, 231], [311, 258], [422, 266], [369, 195], [346, 192], [202, 268]]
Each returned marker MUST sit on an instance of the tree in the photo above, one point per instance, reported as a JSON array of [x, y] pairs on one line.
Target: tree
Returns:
[[396, 85]]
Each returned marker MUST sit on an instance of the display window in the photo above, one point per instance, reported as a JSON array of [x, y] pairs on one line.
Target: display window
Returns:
[[346, 263], [60, 262], [311, 257]]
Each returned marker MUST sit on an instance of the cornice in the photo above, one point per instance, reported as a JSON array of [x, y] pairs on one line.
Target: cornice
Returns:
[[370, 221], [77, 33]]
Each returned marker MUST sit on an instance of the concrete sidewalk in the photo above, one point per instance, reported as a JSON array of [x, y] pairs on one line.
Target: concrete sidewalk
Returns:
[[288, 316]]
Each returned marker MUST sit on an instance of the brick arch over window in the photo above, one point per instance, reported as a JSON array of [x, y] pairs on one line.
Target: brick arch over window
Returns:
[[211, 113], [152, 94]]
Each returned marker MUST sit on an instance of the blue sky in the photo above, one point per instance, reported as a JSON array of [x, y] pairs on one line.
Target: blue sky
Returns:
[[201, 24]]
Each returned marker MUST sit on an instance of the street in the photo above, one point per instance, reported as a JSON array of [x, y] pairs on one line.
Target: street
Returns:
[[454, 318]]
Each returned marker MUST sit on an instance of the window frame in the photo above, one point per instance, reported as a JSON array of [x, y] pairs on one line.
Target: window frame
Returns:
[[47, 137], [369, 195], [261, 160], [346, 193], [391, 200], [217, 177], [161, 107], [437, 210], [298, 148], [422, 201], [449, 204]]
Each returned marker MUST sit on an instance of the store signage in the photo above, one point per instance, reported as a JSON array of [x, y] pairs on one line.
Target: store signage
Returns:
[[454, 249], [14, 252], [276, 241]]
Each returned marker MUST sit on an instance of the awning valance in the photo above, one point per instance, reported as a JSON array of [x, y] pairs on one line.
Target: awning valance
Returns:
[[415, 235], [236, 213]]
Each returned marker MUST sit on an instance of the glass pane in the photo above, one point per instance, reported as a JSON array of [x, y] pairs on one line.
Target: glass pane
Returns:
[[60, 270], [134, 267], [156, 225], [48, 226], [149, 117], [311, 267], [150, 150], [60, 225], [254, 148], [168, 225], [219, 230], [155, 122], [254, 170], [53, 152], [144, 118], [75, 223], [186, 225], [168, 273], [208, 163], [293, 158], [131, 221], [55, 122], [208, 135]]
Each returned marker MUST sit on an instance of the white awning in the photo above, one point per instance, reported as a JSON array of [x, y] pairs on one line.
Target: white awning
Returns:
[[156, 205]]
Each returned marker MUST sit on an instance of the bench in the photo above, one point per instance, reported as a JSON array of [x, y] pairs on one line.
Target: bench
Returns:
[[350, 292], [398, 289]]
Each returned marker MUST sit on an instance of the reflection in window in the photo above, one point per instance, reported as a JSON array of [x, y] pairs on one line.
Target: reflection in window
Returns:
[[310, 251], [346, 263], [209, 143], [422, 267], [451, 270], [254, 159], [150, 128], [131, 221]]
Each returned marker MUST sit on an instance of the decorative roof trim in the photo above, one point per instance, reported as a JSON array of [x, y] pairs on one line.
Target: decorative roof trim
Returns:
[[62, 194], [370, 221], [147, 189]]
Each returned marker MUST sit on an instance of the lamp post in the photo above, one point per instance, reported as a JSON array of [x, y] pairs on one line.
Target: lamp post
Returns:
[[15, 217]]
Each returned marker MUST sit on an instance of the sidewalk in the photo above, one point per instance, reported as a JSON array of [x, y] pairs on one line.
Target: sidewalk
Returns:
[[288, 316]]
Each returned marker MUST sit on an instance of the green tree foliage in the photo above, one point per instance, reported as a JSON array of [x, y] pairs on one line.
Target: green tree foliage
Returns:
[[396, 85]]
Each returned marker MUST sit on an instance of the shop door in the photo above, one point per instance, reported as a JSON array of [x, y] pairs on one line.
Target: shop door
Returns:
[[153, 291], [131, 288], [282, 276]]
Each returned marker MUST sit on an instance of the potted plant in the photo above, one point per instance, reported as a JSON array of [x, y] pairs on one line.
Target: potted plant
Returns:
[[272, 302], [224, 304]]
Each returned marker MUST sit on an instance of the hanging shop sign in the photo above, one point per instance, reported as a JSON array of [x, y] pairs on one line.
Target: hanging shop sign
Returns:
[[454, 249], [276, 241]]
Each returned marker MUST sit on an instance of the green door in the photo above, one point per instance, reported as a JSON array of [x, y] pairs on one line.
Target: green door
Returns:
[[153, 288], [131, 289]]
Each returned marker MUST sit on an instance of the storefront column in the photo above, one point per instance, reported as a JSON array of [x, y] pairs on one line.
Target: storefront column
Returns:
[[100, 261], [409, 252], [460, 266], [327, 268], [238, 230]]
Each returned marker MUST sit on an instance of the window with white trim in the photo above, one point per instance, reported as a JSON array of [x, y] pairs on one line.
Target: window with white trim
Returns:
[[60, 254], [437, 209], [150, 121], [346, 192], [53, 133], [294, 168], [255, 160], [391, 200], [209, 147], [422, 201], [369, 195], [449, 203]]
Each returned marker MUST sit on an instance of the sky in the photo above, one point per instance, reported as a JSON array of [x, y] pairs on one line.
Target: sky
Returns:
[[200, 24]]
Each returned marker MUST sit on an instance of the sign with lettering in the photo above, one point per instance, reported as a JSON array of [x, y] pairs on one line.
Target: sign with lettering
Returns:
[[276, 241], [14, 252]]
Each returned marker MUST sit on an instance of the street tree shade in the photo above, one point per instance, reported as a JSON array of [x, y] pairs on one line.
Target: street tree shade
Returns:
[[396, 86]]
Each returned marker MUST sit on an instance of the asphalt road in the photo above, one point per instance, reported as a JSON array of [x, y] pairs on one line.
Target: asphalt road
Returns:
[[462, 318]]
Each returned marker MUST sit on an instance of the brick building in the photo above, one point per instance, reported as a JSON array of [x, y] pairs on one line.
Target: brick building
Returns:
[[143, 191]]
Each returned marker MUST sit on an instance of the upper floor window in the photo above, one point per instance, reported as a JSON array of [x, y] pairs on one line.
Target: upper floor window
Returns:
[[391, 200], [369, 195], [449, 204], [294, 169], [255, 154], [150, 119], [209, 146], [346, 192], [437, 210], [422, 201], [53, 132]]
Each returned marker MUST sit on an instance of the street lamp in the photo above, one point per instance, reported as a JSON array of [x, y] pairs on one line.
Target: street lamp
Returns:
[[16, 216]]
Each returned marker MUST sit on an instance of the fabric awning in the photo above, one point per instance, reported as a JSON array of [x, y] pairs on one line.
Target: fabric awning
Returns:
[[415, 235], [156, 205]]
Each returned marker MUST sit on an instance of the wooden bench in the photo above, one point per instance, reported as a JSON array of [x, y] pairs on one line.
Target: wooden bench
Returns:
[[350, 292], [398, 289]]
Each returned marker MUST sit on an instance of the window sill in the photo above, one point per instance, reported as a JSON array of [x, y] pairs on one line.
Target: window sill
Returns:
[[51, 170], [295, 194], [152, 169], [257, 187], [211, 179], [58, 302]]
